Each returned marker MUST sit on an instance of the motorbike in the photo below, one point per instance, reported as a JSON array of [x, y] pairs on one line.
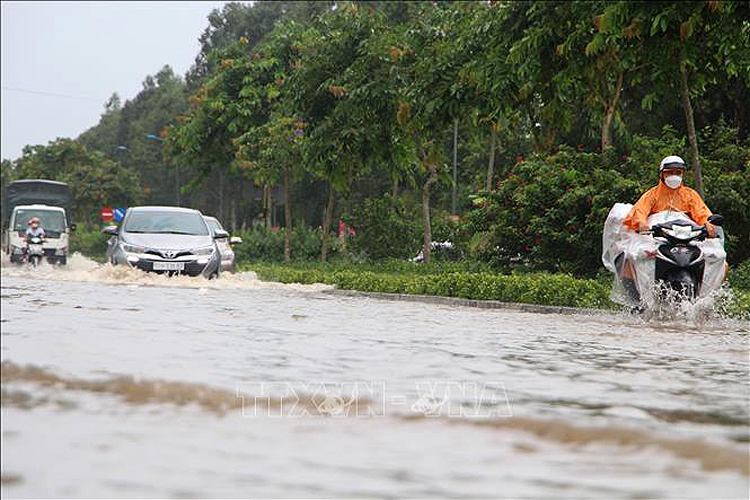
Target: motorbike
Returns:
[[34, 250], [681, 268], [680, 265]]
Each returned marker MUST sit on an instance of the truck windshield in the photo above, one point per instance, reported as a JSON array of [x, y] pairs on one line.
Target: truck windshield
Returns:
[[166, 222], [49, 220]]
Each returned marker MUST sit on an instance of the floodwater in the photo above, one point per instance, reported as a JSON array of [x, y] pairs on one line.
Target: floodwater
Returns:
[[121, 384]]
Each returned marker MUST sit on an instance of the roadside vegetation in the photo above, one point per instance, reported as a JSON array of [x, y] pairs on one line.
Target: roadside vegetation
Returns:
[[463, 280], [507, 128]]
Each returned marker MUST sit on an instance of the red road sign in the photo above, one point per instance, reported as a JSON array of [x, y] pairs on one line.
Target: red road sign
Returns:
[[106, 213]]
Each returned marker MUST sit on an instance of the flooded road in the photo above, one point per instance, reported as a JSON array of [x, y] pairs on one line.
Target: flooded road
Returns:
[[120, 384]]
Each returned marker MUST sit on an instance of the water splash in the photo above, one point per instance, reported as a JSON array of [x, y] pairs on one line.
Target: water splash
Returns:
[[83, 269]]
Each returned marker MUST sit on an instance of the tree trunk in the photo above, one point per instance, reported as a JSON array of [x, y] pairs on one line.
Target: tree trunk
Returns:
[[287, 218], [491, 165], [265, 206], [695, 160], [609, 113], [271, 207], [426, 187], [345, 233], [432, 179], [327, 223], [394, 191]]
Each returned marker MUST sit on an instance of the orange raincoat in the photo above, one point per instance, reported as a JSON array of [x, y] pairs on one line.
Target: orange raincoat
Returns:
[[660, 199]]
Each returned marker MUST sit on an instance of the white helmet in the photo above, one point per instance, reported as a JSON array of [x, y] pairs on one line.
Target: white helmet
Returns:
[[673, 162]]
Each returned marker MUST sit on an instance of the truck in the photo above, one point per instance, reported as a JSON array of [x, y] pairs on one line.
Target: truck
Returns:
[[51, 201]]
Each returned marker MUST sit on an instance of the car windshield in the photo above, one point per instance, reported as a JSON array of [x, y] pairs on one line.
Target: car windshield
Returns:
[[49, 220], [213, 224], [167, 222]]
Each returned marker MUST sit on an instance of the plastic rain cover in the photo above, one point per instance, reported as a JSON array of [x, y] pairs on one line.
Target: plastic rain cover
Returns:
[[639, 249]]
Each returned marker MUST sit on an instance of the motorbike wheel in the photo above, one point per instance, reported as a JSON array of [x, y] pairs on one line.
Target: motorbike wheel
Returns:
[[684, 283]]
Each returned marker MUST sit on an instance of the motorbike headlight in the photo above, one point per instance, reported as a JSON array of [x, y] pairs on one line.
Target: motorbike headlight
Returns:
[[132, 248], [683, 232], [203, 251]]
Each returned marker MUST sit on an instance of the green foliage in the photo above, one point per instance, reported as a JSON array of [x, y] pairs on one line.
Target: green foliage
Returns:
[[90, 242], [267, 245], [536, 288], [726, 170], [133, 135], [384, 228], [739, 276], [94, 179]]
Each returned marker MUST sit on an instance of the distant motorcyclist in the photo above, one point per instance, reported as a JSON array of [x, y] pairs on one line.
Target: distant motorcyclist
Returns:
[[34, 229], [670, 194]]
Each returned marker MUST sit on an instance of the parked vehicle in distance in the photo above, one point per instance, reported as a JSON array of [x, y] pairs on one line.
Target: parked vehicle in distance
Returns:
[[224, 243], [50, 201], [169, 240]]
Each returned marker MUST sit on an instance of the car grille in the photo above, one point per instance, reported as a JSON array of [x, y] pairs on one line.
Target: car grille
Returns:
[[192, 268], [165, 256]]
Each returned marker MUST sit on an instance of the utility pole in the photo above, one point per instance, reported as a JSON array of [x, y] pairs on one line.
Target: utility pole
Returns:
[[455, 160]]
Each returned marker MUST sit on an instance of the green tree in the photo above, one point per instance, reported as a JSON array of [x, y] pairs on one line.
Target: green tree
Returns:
[[689, 45], [94, 179]]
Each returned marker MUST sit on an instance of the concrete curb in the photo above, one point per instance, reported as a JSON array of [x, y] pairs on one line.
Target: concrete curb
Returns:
[[482, 304]]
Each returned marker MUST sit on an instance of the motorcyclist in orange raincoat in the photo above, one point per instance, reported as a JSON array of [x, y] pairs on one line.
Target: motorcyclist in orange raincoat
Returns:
[[669, 194]]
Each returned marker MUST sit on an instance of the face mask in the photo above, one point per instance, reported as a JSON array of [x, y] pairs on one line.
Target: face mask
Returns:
[[673, 181]]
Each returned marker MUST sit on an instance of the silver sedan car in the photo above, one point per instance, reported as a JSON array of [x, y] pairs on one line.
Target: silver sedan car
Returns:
[[224, 243], [169, 240]]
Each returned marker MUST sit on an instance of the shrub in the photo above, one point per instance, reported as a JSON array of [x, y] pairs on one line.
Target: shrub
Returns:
[[384, 228], [90, 242], [538, 288], [739, 277], [266, 244]]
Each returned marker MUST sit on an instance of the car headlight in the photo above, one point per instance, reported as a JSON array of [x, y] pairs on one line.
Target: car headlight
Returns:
[[203, 251], [132, 248]]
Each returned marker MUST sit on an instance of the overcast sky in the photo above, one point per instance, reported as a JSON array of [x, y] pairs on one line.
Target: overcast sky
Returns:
[[62, 60]]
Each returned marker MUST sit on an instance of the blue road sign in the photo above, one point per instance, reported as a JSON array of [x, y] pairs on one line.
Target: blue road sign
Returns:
[[119, 214]]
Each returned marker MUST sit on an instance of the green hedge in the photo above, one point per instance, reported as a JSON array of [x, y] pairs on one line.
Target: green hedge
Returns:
[[450, 279], [536, 288]]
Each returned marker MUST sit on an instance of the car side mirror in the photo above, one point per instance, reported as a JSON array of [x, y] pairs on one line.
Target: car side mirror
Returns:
[[235, 240], [716, 219], [220, 233], [73, 228], [110, 230]]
